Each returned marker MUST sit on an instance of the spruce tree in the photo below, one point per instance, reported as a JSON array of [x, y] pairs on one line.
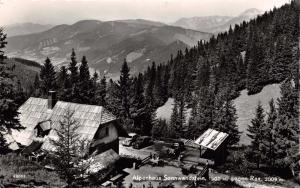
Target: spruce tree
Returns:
[[83, 88], [165, 83], [287, 127], [62, 77], [3, 43], [101, 92], [160, 129], [48, 77], [84, 73], [269, 135], [69, 149], [175, 124], [138, 106], [63, 82], [158, 87], [113, 98], [181, 114], [73, 68], [225, 121], [203, 104], [36, 86], [255, 132], [149, 95], [255, 58], [150, 108], [8, 98], [125, 85]]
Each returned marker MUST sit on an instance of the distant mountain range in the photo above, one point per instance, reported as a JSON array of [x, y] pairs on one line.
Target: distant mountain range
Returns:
[[106, 44], [215, 24], [25, 28]]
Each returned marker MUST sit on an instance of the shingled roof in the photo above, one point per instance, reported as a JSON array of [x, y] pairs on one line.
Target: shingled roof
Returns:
[[211, 139], [35, 111]]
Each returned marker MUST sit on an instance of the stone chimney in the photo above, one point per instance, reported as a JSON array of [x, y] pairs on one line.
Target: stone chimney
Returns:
[[51, 99]]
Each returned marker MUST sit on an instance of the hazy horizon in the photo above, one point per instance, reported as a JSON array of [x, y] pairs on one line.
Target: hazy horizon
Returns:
[[56, 12]]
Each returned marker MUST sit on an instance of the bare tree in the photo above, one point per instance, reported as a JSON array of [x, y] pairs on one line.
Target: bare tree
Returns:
[[70, 151]]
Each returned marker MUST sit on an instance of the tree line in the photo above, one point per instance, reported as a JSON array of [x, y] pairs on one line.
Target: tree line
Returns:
[[204, 78], [275, 134], [11, 97]]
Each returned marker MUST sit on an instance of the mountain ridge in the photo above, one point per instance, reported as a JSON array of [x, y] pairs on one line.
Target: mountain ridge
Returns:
[[216, 23], [103, 40]]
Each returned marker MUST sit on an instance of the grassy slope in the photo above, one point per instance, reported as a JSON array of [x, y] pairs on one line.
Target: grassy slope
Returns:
[[165, 111], [245, 106], [24, 71]]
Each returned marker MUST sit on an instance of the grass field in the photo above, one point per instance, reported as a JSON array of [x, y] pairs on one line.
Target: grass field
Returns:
[[245, 105]]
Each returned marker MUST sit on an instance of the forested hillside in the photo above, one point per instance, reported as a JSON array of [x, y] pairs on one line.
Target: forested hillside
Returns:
[[205, 79], [248, 56], [202, 81], [24, 70]]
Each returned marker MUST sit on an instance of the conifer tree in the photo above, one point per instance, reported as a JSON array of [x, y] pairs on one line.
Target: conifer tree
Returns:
[[63, 78], [175, 124], [287, 127], [101, 91], [48, 77], [95, 78], [149, 95], [225, 121], [138, 106], [3, 145], [150, 108], [69, 149], [255, 132], [8, 98], [125, 85], [203, 104], [160, 129], [73, 68], [36, 92], [83, 88], [269, 135], [113, 98], [84, 73], [63, 82], [158, 87], [255, 59], [165, 83], [3, 43]]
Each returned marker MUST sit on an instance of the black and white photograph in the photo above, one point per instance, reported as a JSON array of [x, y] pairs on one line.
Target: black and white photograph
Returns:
[[149, 93]]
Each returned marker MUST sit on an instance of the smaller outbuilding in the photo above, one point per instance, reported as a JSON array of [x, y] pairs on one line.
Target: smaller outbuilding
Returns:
[[212, 145]]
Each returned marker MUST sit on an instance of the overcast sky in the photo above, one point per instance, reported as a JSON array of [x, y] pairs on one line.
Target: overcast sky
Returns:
[[70, 11]]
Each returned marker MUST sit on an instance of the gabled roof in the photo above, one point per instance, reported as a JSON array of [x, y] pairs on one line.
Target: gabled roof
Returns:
[[35, 111], [89, 117], [32, 112], [211, 139]]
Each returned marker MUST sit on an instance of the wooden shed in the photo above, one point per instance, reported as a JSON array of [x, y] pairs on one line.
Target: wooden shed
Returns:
[[212, 145]]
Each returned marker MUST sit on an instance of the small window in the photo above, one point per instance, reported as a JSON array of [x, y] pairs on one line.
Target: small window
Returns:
[[104, 132]]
